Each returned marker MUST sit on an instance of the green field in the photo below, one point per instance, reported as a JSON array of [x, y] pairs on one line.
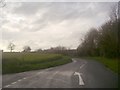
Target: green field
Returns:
[[112, 64], [19, 62]]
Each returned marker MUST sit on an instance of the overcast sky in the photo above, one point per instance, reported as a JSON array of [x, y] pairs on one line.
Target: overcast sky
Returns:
[[45, 25]]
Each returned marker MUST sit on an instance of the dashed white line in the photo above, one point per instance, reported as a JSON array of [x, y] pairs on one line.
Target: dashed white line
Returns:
[[82, 65], [24, 78], [19, 80], [7, 85], [80, 78], [79, 75], [14, 83]]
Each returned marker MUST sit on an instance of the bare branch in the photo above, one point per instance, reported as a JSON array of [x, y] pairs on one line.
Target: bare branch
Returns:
[[2, 3]]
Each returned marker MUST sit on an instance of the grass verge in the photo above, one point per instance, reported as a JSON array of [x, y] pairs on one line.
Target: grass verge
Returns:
[[20, 62], [112, 64]]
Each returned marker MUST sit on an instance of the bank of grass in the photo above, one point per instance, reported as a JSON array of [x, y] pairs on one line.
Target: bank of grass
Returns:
[[112, 64], [20, 62]]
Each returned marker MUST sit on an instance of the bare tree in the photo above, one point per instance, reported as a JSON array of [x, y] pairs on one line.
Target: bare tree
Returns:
[[26, 49], [2, 3], [11, 46], [39, 50], [114, 13]]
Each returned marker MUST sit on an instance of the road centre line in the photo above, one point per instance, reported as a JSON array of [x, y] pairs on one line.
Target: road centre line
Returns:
[[24, 78], [82, 65], [14, 83], [19, 80]]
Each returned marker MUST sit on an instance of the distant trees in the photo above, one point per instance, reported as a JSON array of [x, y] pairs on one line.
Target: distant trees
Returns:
[[11, 46], [59, 48], [39, 50], [26, 49]]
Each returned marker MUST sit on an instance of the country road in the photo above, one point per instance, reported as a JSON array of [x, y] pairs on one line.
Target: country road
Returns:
[[78, 74]]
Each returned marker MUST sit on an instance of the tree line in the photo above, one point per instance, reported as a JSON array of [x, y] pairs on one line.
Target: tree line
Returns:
[[54, 50], [103, 41]]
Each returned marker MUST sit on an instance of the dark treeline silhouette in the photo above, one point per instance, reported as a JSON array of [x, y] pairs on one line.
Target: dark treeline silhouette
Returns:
[[59, 50], [103, 41]]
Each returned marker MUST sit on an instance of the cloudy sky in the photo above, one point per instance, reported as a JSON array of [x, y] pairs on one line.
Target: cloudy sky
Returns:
[[45, 25]]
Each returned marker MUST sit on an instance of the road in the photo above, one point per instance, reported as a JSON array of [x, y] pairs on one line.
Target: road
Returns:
[[78, 74]]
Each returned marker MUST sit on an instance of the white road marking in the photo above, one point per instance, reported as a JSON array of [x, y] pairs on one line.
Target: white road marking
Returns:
[[80, 78], [7, 85], [19, 80], [38, 73], [74, 60], [24, 78], [14, 83], [82, 65]]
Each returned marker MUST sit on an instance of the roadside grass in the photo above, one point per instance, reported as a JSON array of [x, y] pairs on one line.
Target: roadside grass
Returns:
[[19, 62], [112, 64]]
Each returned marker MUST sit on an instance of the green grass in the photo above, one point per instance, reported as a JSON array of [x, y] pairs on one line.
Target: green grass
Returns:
[[112, 64], [20, 62]]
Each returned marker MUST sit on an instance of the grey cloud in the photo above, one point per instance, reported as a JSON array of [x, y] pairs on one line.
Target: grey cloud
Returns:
[[58, 12], [27, 8], [10, 35], [30, 8], [63, 17], [63, 11]]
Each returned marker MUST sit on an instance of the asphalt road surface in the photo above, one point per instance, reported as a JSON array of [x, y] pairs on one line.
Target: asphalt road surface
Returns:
[[78, 74]]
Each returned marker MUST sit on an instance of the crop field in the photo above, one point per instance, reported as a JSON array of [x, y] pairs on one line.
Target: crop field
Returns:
[[19, 62]]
